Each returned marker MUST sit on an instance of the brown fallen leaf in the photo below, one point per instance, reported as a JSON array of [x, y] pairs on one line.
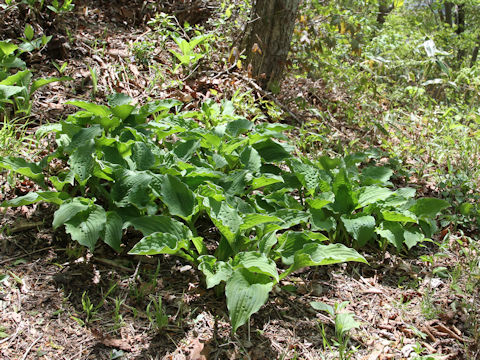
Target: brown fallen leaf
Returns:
[[109, 341], [198, 350]]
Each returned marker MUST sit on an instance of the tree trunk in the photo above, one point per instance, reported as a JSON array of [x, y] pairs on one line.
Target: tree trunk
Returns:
[[448, 13], [383, 10], [460, 19], [267, 40]]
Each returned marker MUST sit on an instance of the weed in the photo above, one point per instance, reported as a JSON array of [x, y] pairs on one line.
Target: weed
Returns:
[[344, 322], [156, 314]]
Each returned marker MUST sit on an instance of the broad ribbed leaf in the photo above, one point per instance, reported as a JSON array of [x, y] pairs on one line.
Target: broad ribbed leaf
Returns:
[[361, 228], [404, 216], [177, 196], [392, 232], [225, 218], [22, 167], [373, 194], [376, 175], [68, 210], [7, 91], [131, 188], [113, 231], [246, 292], [322, 220], [257, 263], [306, 174], [271, 151], [87, 226], [265, 180], [142, 156], [33, 197], [413, 237], [82, 162], [252, 220], [98, 110], [251, 159], [239, 126], [314, 254], [83, 136], [429, 207], [290, 217], [159, 243], [318, 203], [215, 271], [37, 84], [148, 225], [293, 241]]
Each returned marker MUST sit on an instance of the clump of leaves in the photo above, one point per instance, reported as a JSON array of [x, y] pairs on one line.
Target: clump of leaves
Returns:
[[157, 170]]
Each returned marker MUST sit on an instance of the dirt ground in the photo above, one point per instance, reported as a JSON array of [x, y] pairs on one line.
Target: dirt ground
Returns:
[[58, 301]]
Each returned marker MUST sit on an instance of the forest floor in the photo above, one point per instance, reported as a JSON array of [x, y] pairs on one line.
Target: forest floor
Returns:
[[58, 301]]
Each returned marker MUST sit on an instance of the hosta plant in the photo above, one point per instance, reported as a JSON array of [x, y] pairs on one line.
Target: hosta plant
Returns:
[[164, 173]]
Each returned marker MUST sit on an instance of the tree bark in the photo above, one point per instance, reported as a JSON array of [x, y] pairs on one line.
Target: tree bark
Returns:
[[383, 10], [448, 13], [267, 40]]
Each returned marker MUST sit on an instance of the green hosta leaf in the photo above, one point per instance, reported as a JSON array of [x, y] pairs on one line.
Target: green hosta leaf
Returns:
[[392, 232], [235, 182], [7, 91], [68, 210], [291, 217], [113, 231], [7, 48], [37, 84], [306, 174], [429, 207], [376, 175], [265, 180], [219, 161], [267, 242], [215, 271], [95, 109], [271, 151], [148, 225], [82, 136], [178, 197], [225, 218], [81, 161], [87, 226], [323, 221], [257, 263], [185, 150], [22, 167], [345, 200], [237, 127], [18, 78], [120, 105], [373, 194], [344, 322], [318, 203], [251, 159], [65, 178], [413, 237], [361, 228], [404, 216], [33, 197], [131, 188], [246, 292], [320, 306], [314, 254], [252, 220], [292, 242], [159, 243], [142, 156]]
